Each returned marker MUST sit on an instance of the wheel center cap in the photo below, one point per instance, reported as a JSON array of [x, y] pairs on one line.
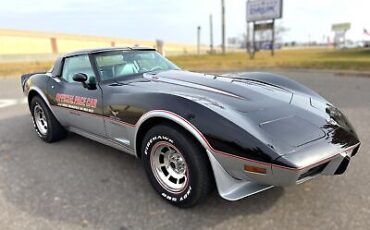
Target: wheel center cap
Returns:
[[177, 164]]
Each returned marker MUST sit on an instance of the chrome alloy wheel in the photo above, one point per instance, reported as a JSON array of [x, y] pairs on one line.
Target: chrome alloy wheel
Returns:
[[169, 167], [40, 119]]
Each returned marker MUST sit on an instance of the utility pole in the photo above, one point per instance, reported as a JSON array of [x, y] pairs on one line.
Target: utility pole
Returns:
[[273, 38], [254, 40], [248, 41], [198, 43], [223, 26], [211, 33]]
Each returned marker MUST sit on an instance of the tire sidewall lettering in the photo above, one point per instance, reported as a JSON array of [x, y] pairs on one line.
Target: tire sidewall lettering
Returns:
[[152, 140], [177, 199], [165, 194]]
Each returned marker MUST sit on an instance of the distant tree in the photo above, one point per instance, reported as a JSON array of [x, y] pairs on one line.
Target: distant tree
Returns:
[[266, 35], [280, 30]]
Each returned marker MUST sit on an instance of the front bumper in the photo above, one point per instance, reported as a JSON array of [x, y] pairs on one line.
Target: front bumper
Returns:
[[234, 183], [331, 164]]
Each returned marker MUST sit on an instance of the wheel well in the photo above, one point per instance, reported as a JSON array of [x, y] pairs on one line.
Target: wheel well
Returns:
[[151, 122], [31, 95]]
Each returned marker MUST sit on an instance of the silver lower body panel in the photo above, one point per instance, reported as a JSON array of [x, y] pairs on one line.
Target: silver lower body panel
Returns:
[[114, 144], [230, 188], [233, 183]]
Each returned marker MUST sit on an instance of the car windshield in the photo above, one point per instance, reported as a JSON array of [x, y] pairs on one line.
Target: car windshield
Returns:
[[116, 65]]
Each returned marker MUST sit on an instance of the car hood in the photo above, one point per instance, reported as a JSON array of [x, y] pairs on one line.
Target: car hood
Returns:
[[239, 94], [279, 117]]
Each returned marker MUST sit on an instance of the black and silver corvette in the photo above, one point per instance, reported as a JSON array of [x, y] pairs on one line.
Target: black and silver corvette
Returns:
[[244, 133]]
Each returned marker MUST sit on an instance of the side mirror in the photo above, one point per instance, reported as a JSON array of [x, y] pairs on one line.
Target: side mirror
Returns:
[[83, 78], [80, 77]]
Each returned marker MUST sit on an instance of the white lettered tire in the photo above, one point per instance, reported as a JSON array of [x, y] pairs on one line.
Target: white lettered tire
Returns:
[[177, 167]]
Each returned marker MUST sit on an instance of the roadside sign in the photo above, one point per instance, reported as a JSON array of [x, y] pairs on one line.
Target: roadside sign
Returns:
[[260, 10], [263, 10], [340, 30], [263, 26], [341, 27]]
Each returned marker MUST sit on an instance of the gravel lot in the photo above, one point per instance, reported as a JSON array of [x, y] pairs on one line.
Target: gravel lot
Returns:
[[80, 184]]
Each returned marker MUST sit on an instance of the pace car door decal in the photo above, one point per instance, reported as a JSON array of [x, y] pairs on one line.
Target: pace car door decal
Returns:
[[76, 102]]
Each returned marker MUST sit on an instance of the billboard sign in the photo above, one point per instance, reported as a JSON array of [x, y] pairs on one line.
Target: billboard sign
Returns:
[[341, 27], [261, 10]]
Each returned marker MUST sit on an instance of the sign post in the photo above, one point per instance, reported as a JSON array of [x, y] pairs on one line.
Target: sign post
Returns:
[[263, 10]]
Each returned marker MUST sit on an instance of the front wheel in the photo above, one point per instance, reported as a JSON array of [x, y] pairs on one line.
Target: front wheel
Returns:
[[176, 166]]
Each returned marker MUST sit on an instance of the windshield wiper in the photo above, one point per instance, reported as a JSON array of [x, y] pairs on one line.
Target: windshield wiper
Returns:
[[155, 72], [117, 83]]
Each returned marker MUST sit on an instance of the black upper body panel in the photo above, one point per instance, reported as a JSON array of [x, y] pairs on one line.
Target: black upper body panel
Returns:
[[253, 119]]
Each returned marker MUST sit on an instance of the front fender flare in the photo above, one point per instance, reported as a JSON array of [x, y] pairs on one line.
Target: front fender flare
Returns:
[[228, 187]]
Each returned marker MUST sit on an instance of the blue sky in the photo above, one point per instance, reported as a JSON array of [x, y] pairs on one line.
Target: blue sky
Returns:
[[175, 20]]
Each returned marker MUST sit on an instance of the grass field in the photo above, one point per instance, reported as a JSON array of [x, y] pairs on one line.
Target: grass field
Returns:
[[19, 68], [349, 60], [358, 60]]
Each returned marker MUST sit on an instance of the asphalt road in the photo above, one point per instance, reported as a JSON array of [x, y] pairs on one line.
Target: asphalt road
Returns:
[[80, 184]]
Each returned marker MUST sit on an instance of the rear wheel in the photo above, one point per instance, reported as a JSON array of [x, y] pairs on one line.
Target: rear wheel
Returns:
[[46, 125], [176, 165]]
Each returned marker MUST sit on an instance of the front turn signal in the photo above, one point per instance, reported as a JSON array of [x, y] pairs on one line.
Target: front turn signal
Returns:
[[254, 169]]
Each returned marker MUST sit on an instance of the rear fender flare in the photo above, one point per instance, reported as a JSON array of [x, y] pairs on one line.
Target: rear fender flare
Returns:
[[39, 92]]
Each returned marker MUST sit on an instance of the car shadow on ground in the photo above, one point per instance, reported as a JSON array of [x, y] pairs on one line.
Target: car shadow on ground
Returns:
[[79, 181]]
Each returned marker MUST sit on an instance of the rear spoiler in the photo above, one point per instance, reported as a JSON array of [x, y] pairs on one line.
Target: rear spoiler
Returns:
[[25, 77]]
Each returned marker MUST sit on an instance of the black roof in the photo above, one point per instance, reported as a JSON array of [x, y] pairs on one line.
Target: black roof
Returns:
[[108, 49]]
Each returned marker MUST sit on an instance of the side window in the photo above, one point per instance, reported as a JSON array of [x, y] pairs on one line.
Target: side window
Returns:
[[77, 64]]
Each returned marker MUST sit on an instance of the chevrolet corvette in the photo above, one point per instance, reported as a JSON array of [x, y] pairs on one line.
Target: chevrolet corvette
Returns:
[[242, 133]]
